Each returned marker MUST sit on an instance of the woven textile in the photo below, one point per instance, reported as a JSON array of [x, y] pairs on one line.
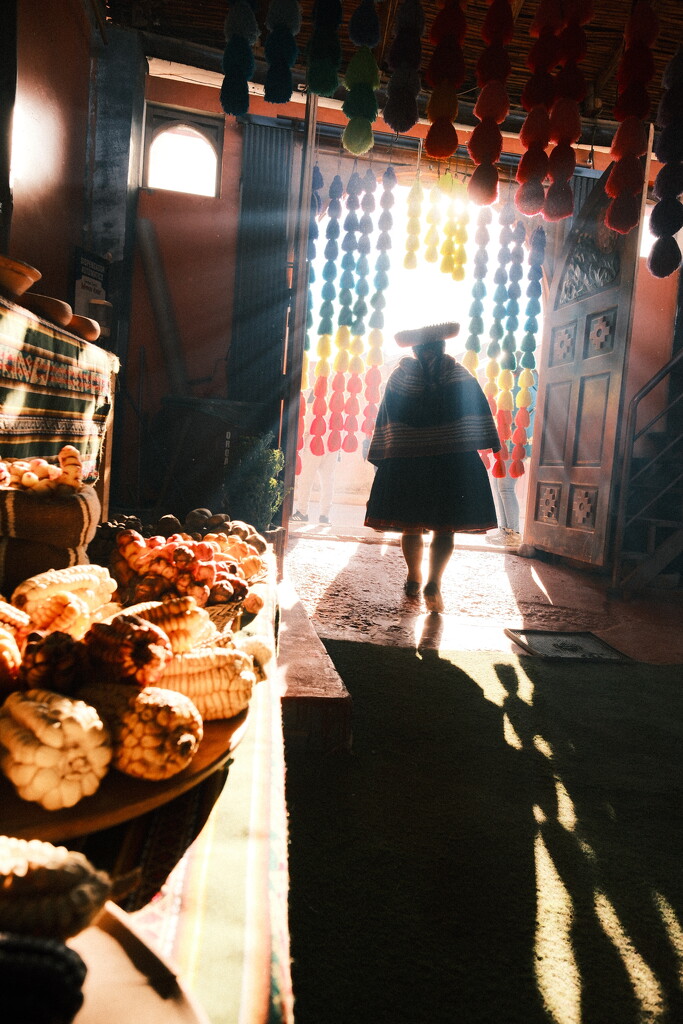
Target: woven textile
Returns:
[[417, 419]]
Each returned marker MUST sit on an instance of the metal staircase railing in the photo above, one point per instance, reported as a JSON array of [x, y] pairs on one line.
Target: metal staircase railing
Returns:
[[624, 516]]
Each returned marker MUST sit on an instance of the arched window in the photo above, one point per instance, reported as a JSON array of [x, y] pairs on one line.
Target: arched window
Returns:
[[182, 152]]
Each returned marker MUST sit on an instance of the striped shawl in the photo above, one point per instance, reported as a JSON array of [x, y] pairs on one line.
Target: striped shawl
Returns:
[[418, 419]]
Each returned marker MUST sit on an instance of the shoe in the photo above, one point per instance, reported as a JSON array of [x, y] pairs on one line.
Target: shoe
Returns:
[[411, 588], [325, 520], [432, 598], [299, 517]]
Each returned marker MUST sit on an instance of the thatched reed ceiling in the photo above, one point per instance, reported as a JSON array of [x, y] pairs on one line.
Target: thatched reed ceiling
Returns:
[[195, 28]]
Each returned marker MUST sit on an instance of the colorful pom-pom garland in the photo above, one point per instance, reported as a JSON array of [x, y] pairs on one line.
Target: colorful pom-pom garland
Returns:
[[445, 74], [403, 87], [324, 48], [241, 35], [666, 218], [492, 107]]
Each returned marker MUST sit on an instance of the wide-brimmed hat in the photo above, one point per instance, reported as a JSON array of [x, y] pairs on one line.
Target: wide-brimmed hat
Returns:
[[421, 335]]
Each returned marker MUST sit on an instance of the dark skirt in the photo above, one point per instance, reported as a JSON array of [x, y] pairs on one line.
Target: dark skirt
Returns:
[[435, 492]]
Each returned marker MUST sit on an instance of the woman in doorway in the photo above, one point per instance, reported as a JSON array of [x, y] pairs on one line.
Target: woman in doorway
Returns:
[[432, 422]]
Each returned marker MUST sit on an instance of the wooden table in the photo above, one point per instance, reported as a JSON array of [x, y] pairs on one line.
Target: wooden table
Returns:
[[120, 798]]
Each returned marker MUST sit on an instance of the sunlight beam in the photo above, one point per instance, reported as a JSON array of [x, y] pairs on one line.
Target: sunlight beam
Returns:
[[557, 974], [646, 988]]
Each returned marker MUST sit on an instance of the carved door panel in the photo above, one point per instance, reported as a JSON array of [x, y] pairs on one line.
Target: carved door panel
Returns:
[[585, 345]]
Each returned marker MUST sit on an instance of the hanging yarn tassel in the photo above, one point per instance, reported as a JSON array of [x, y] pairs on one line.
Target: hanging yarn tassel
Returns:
[[325, 326], [476, 326], [361, 80], [496, 331], [403, 87], [241, 34], [283, 21], [433, 219], [448, 244], [414, 207], [525, 356], [565, 113], [375, 357], [317, 184], [636, 69], [324, 48], [462, 219], [666, 219], [445, 74], [537, 99], [493, 105]]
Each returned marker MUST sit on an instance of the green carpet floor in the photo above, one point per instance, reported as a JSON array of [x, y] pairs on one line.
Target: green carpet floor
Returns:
[[502, 846]]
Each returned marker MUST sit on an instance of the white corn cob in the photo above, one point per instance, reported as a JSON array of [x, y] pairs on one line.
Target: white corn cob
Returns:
[[181, 618], [92, 582], [218, 680]]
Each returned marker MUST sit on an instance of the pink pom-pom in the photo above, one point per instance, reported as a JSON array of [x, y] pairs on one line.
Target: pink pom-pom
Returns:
[[573, 42], [570, 82], [334, 441], [350, 443], [565, 121], [450, 21], [316, 446], [545, 53], [336, 421], [530, 197], [534, 164], [498, 24], [535, 130], [482, 188], [559, 202], [493, 102], [549, 15], [561, 162], [320, 386], [636, 65]]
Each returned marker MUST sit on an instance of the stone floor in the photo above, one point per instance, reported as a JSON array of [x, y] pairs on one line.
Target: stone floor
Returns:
[[349, 581]]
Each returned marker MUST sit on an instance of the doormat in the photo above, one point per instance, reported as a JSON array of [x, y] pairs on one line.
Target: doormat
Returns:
[[548, 643]]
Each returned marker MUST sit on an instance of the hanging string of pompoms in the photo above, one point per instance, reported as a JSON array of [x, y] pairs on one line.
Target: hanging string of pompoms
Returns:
[[444, 76], [318, 426], [317, 184], [525, 356], [324, 48], [666, 219], [493, 105], [403, 87], [479, 272], [283, 21], [375, 357], [241, 35], [362, 80], [508, 360]]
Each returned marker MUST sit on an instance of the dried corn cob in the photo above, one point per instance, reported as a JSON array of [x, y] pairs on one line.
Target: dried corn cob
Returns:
[[129, 649], [184, 622], [92, 582], [218, 680]]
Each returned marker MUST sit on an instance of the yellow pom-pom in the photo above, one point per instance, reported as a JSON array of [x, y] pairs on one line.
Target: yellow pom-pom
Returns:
[[324, 346], [374, 357], [416, 190], [356, 365], [410, 261], [357, 344], [447, 248], [413, 226], [431, 254], [342, 337], [470, 361], [492, 370], [490, 389], [505, 380], [375, 338], [341, 361], [505, 401], [412, 244], [322, 368], [458, 272], [524, 398], [526, 379], [447, 265]]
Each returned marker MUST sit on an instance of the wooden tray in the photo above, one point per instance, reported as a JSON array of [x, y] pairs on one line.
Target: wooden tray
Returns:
[[120, 798], [127, 980]]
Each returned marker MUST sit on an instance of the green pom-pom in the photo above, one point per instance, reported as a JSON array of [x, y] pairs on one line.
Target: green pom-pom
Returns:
[[238, 59], [361, 102], [323, 77], [528, 361], [357, 137], [325, 326], [476, 325], [279, 84], [362, 69], [235, 95]]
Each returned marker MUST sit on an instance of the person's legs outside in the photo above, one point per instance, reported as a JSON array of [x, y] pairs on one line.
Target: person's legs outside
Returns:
[[303, 484], [412, 546], [326, 470], [440, 551], [505, 488]]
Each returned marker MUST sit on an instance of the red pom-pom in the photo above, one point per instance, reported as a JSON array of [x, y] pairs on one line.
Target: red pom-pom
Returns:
[[565, 121], [643, 24], [559, 202], [636, 65], [518, 434], [516, 469], [336, 421], [523, 419], [338, 382], [539, 90], [486, 142], [373, 377], [630, 138], [482, 188], [446, 64], [570, 82], [355, 385], [493, 63], [334, 441], [623, 213], [498, 470], [299, 464], [665, 257], [350, 443], [561, 162], [302, 404], [352, 407], [530, 197], [372, 394], [518, 451], [634, 101], [499, 26], [626, 176], [450, 21], [337, 401], [504, 424], [493, 102], [319, 406], [318, 426], [535, 130], [533, 165], [549, 15], [351, 424], [368, 426], [545, 53], [442, 139], [316, 446], [320, 386], [573, 42]]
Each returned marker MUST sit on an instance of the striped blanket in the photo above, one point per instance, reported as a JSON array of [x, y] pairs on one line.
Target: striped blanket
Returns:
[[416, 419]]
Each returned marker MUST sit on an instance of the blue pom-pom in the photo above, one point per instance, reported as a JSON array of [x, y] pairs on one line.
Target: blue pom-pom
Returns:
[[238, 59], [377, 320], [347, 280], [317, 179], [348, 261], [234, 95], [280, 47]]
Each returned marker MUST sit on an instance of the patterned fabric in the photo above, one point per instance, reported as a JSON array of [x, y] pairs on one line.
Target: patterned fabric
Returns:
[[55, 389], [418, 419]]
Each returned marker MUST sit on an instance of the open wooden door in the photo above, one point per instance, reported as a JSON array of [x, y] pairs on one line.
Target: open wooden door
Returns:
[[586, 334]]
